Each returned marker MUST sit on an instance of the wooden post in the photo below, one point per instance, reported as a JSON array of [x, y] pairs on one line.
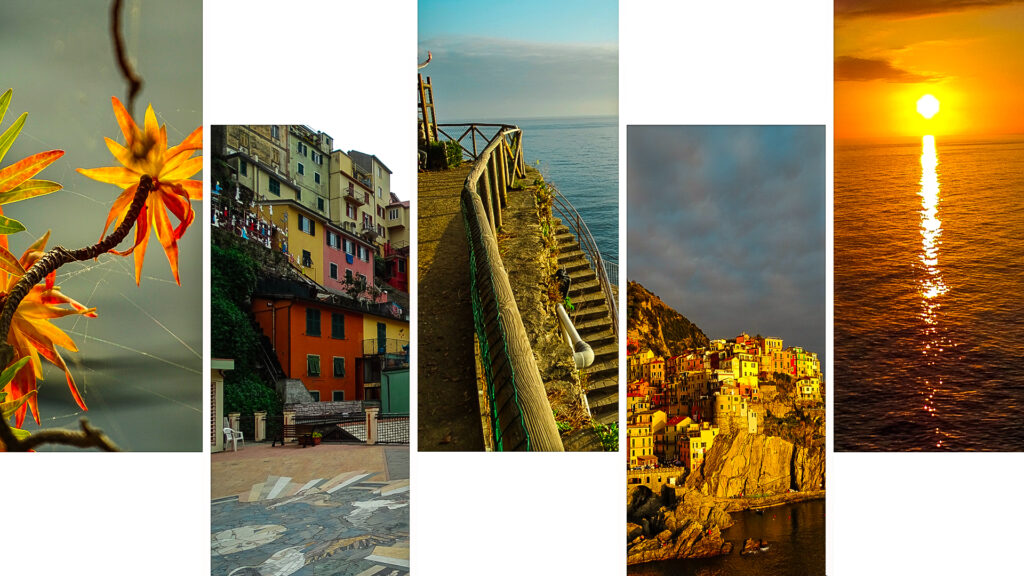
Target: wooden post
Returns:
[[492, 181], [485, 193], [503, 173]]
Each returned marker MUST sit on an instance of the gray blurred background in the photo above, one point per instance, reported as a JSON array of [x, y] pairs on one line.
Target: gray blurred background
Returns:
[[139, 367]]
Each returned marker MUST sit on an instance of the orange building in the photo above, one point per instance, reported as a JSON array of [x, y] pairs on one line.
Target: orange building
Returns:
[[319, 343]]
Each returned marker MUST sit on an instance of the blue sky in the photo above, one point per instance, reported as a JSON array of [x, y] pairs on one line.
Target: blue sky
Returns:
[[524, 59], [727, 225]]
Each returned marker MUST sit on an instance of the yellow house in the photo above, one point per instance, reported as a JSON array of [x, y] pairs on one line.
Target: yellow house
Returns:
[[696, 443], [300, 234], [641, 444], [810, 388]]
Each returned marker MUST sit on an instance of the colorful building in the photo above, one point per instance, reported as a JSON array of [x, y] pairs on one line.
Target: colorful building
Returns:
[[316, 342]]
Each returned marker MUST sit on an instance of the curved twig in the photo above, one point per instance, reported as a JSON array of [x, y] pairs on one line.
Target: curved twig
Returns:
[[89, 437], [134, 81]]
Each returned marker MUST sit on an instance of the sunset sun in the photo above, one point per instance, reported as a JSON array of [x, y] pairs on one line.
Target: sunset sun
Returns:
[[928, 106]]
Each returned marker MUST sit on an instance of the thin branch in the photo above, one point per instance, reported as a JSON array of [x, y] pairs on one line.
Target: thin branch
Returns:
[[49, 262], [89, 437], [134, 81]]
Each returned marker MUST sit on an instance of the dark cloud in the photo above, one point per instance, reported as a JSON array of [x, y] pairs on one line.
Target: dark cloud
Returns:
[[910, 8], [727, 225], [864, 69]]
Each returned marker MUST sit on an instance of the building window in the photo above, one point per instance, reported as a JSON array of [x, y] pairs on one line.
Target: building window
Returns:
[[333, 240], [316, 177], [275, 132], [312, 364], [350, 211], [349, 246], [275, 187], [312, 322], [315, 394], [338, 395], [362, 278], [339, 367], [243, 167], [319, 201], [393, 214], [307, 259], [337, 325], [348, 275], [307, 225], [364, 254], [302, 169], [334, 270], [380, 192], [401, 266]]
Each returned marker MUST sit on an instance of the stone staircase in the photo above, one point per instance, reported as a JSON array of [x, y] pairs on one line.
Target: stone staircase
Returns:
[[593, 322]]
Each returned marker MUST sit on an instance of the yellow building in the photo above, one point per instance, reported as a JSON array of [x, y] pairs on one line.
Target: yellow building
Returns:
[[641, 444], [810, 388], [300, 234], [696, 443]]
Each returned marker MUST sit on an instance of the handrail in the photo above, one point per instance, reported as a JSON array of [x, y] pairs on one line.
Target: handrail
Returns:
[[521, 416], [571, 218], [473, 129], [582, 353]]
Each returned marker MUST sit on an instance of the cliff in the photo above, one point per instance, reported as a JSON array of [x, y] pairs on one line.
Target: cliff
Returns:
[[653, 324], [756, 465]]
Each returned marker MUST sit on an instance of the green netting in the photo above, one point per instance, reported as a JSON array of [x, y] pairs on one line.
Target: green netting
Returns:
[[485, 353]]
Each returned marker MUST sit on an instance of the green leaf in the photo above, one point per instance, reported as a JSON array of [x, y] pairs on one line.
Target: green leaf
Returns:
[[8, 374], [9, 135], [4, 101], [29, 189], [10, 225]]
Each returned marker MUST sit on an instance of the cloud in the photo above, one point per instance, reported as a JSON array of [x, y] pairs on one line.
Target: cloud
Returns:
[[853, 69], [491, 78], [910, 8], [727, 225]]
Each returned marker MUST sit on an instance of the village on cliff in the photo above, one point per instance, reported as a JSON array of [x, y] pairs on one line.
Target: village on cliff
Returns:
[[677, 406]]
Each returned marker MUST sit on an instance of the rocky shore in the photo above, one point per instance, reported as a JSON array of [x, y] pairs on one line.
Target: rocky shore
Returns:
[[741, 472]]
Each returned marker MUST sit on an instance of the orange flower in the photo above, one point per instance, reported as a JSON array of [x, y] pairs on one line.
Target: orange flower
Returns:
[[146, 152], [32, 334]]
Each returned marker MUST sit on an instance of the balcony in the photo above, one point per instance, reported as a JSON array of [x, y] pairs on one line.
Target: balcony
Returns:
[[369, 231], [386, 347], [357, 197]]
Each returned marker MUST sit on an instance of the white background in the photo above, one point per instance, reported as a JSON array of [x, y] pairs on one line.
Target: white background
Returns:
[[347, 68]]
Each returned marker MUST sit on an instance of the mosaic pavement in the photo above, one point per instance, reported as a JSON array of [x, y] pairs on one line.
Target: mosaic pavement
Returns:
[[354, 523]]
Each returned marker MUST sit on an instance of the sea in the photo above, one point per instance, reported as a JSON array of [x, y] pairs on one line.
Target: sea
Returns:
[[929, 313], [580, 156], [796, 546]]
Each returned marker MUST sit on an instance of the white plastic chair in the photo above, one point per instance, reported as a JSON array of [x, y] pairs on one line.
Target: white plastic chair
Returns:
[[234, 436]]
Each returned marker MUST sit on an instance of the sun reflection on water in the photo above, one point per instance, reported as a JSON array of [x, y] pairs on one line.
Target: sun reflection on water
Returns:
[[932, 285]]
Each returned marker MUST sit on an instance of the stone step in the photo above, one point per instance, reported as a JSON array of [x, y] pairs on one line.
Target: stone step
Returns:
[[603, 400], [599, 338], [570, 256], [604, 369], [606, 418]]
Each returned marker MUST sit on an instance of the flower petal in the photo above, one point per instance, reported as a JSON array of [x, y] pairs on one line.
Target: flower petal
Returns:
[[141, 239], [186, 169], [124, 120], [120, 208], [117, 175], [194, 189]]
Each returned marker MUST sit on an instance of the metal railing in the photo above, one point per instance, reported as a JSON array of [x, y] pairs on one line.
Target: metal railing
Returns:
[[566, 212], [520, 414], [385, 346]]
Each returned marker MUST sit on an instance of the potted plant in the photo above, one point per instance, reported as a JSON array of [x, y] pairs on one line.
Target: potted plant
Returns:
[[317, 437]]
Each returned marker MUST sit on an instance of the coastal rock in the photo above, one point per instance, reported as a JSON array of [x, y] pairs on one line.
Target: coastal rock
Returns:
[[690, 529], [809, 468], [633, 531], [745, 464]]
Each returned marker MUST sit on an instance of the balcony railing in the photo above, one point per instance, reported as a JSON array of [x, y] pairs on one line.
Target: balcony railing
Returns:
[[385, 347]]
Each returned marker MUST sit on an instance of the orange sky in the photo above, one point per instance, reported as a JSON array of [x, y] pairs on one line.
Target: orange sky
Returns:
[[972, 60]]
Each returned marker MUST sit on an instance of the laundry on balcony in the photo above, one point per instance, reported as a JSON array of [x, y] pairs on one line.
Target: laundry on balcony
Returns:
[[348, 258]]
